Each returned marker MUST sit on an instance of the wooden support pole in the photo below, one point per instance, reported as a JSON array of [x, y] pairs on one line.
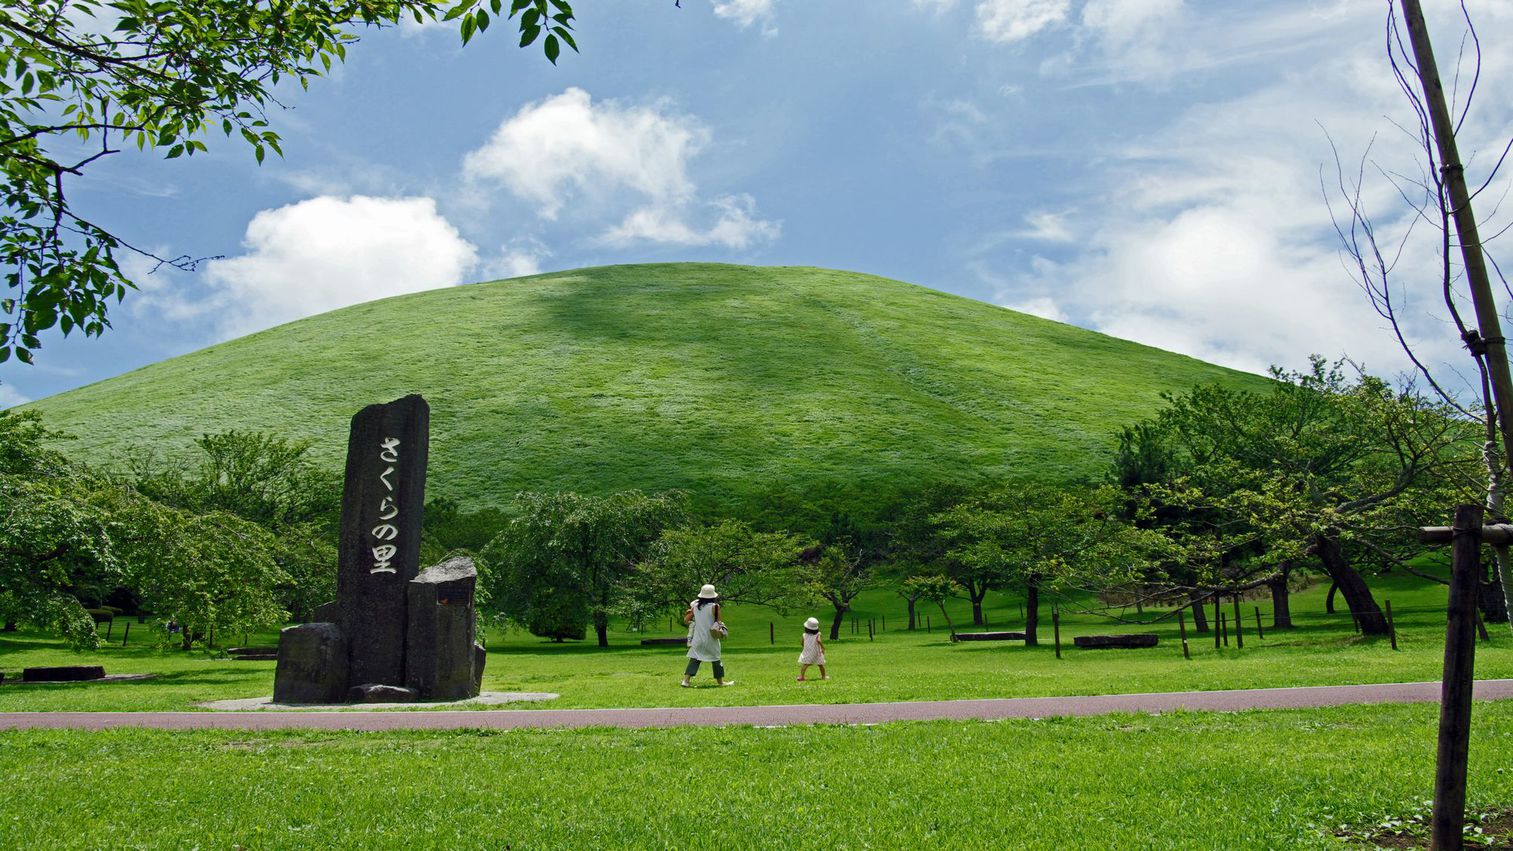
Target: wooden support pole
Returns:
[[1056, 630], [1239, 626], [1391, 628], [885, 622], [1259, 634], [1449, 816], [1218, 636], [126, 635], [772, 633], [1182, 628], [869, 629], [109, 625]]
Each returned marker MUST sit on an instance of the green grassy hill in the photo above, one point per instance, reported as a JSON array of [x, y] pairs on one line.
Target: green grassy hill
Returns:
[[777, 392]]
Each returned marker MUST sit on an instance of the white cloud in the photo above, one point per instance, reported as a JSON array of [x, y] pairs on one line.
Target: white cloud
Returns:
[[568, 154], [1046, 227], [517, 258], [329, 252], [567, 147], [938, 7], [747, 12], [1043, 306], [1016, 20], [10, 397], [735, 226]]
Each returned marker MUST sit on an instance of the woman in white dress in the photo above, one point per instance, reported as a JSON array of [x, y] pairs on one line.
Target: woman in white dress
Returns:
[[814, 650], [703, 640]]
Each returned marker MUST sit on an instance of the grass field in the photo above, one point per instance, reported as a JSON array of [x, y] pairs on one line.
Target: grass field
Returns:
[[897, 665], [1279, 779], [771, 393]]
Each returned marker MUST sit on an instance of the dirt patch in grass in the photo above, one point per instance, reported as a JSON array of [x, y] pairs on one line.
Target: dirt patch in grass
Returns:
[[1491, 829]]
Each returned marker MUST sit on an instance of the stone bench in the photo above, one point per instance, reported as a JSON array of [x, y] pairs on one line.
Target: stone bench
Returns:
[[664, 642], [1139, 639], [988, 636], [253, 654], [65, 674]]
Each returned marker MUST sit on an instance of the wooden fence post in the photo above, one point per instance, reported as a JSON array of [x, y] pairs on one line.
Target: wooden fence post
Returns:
[[127, 634], [1056, 630], [1449, 817], [869, 629], [1182, 628], [1259, 634], [1391, 628], [109, 625], [772, 633], [1239, 626]]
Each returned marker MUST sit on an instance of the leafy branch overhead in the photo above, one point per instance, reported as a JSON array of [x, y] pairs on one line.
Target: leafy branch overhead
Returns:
[[81, 80]]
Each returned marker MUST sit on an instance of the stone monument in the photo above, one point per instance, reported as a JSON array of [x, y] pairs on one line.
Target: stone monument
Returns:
[[394, 632]]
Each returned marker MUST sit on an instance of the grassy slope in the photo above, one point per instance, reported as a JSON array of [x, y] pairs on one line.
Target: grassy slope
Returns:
[[1264, 780], [755, 388]]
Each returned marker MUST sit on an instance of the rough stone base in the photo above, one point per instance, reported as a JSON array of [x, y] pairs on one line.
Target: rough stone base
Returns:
[[312, 664]]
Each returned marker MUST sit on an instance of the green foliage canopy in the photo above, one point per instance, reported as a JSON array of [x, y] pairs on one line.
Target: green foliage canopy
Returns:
[[83, 79]]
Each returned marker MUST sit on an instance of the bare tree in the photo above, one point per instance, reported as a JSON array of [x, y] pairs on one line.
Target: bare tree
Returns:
[[1440, 199]]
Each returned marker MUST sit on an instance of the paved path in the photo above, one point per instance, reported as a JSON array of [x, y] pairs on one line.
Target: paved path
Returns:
[[841, 713]]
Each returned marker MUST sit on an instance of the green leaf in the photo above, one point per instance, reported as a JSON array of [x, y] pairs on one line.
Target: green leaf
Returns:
[[553, 49], [483, 20], [174, 152], [529, 35], [567, 37]]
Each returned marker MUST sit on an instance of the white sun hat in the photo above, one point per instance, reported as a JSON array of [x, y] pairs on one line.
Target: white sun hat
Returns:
[[812, 623], [707, 593]]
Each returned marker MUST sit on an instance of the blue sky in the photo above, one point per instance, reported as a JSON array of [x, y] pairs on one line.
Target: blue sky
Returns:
[[1145, 168]]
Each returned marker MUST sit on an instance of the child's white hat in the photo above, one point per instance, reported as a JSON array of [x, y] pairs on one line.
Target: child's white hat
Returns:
[[812, 623]]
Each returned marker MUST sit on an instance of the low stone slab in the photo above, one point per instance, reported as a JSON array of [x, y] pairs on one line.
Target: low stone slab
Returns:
[[488, 698], [256, 650], [63, 674], [665, 642], [255, 657], [1093, 642], [988, 636], [380, 693], [108, 678]]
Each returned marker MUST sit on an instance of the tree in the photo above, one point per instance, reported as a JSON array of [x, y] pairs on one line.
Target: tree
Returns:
[[81, 80], [744, 565], [563, 558], [1319, 465], [1441, 198], [1037, 537], [915, 545], [270, 481], [840, 574], [936, 588]]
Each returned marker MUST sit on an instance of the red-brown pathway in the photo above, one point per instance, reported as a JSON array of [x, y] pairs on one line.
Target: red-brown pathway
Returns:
[[762, 716]]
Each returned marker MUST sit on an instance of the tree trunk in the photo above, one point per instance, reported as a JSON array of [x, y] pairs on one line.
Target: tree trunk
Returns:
[[977, 594], [835, 625], [1490, 599], [1200, 618], [911, 615], [1329, 600], [1357, 593], [1031, 611], [1281, 606], [601, 628], [10, 626], [947, 615]]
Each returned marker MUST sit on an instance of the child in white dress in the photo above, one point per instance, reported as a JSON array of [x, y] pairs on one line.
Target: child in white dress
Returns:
[[814, 650]]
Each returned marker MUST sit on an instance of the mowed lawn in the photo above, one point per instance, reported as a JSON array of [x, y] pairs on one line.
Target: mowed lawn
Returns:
[[893, 665], [1276, 779]]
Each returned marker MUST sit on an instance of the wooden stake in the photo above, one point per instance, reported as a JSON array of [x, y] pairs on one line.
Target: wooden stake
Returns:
[[125, 635], [869, 629], [109, 625], [1239, 626], [1182, 628], [1259, 634], [1218, 633], [1449, 817], [772, 633], [1056, 630], [1391, 629]]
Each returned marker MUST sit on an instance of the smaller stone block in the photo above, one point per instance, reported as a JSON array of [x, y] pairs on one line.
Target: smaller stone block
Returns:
[[379, 693], [440, 650], [312, 664], [65, 674], [1093, 642]]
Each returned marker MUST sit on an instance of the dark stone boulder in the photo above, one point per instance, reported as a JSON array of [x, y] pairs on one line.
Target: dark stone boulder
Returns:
[[312, 664], [1092, 642], [379, 693], [440, 647], [63, 674]]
